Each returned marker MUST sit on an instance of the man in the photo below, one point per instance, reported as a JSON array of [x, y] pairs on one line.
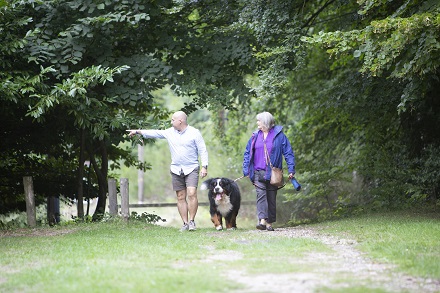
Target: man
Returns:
[[186, 146]]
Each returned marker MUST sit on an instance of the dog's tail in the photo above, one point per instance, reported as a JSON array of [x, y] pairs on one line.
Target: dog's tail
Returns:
[[204, 185]]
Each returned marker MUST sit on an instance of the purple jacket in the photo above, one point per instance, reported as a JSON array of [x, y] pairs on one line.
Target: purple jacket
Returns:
[[280, 147]]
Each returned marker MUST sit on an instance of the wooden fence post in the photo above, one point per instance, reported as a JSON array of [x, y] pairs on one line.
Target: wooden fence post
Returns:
[[124, 198], [112, 197], [30, 201], [140, 175]]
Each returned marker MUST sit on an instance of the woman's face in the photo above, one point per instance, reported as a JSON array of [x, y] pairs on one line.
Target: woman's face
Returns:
[[260, 125]]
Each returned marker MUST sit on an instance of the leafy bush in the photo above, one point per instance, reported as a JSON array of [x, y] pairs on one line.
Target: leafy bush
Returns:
[[19, 219], [146, 217]]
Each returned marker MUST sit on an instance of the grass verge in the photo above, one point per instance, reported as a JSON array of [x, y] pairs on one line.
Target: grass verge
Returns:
[[408, 239]]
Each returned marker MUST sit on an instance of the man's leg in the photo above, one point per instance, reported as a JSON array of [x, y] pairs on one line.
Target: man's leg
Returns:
[[193, 202], [182, 205]]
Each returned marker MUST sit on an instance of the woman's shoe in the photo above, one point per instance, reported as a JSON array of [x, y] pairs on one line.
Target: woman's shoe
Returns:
[[261, 227], [270, 228]]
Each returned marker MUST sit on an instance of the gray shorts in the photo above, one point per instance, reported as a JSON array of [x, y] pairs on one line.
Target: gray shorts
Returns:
[[182, 182]]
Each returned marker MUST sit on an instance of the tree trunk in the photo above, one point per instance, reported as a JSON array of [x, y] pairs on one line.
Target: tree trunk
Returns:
[[53, 210], [101, 175], [221, 120], [80, 195]]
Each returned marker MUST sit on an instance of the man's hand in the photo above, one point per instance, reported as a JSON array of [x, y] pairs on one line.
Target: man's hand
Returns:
[[132, 132], [203, 172]]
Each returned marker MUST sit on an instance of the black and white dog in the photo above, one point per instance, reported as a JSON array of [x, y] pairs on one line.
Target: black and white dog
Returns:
[[224, 201]]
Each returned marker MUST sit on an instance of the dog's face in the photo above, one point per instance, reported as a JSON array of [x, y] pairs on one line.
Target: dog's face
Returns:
[[219, 188]]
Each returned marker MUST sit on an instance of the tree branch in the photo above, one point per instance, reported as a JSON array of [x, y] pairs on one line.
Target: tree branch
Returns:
[[314, 15]]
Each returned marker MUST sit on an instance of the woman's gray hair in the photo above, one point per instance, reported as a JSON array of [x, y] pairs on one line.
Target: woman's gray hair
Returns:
[[266, 119]]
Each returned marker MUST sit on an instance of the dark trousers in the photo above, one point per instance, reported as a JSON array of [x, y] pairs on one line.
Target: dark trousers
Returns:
[[266, 198]]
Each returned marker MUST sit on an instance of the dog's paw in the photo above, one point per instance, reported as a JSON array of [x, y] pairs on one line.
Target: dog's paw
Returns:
[[231, 229], [219, 228]]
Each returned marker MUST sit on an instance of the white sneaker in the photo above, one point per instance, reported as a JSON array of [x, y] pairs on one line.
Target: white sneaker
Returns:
[[185, 227], [192, 226]]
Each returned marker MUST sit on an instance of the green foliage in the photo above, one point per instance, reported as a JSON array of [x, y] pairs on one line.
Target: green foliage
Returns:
[[395, 46], [74, 93], [404, 45], [146, 217], [86, 71], [97, 65], [276, 29], [16, 79], [17, 219], [362, 122]]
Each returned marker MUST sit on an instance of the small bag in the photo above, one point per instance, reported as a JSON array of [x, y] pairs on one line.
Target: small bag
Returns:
[[276, 177]]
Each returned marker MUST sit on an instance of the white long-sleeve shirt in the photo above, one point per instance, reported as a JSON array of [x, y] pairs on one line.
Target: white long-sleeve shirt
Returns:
[[185, 147]]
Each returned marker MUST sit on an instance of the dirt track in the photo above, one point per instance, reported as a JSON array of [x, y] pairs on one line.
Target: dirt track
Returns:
[[330, 270]]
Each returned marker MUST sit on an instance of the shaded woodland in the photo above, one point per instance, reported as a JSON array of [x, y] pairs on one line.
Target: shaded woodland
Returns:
[[354, 83]]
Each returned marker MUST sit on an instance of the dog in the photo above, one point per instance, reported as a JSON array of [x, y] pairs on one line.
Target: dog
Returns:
[[224, 201]]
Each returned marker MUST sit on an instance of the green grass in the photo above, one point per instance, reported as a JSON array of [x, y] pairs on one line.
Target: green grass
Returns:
[[133, 257], [409, 240], [138, 257]]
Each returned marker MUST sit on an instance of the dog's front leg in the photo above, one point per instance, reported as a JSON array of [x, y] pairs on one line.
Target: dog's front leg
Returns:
[[231, 221], [217, 220]]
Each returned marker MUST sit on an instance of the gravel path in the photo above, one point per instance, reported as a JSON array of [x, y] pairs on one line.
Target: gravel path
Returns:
[[330, 270]]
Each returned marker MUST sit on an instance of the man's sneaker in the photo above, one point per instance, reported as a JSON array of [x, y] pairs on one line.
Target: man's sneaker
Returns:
[[192, 226], [185, 227]]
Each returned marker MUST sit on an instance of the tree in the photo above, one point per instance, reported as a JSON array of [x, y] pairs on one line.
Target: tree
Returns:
[[397, 48], [24, 145], [371, 108], [98, 64]]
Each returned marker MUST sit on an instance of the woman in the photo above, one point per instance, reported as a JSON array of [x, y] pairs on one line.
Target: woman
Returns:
[[256, 165]]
